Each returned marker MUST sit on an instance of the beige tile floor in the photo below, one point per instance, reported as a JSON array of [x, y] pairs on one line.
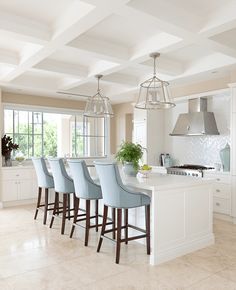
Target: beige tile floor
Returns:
[[33, 257]]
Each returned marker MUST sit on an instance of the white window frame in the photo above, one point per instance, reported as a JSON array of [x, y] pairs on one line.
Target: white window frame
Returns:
[[10, 106]]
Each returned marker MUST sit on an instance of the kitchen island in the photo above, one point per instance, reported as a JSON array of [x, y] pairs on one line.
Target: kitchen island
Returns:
[[181, 214]]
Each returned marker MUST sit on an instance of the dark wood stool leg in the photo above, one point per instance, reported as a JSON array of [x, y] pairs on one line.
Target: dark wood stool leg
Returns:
[[76, 209], [45, 207], [96, 213], [147, 213], [104, 221], [119, 224], [87, 222], [126, 226], [58, 204], [65, 196], [68, 201], [55, 209], [38, 202], [114, 223]]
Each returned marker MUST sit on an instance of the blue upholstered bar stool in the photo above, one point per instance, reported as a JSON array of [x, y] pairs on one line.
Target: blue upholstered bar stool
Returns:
[[45, 180], [118, 196], [63, 184], [86, 189]]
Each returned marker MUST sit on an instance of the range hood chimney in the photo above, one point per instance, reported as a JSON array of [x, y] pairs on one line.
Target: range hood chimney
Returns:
[[197, 122]]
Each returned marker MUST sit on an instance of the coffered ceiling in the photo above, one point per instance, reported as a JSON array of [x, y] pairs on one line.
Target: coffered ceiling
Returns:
[[47, 46]]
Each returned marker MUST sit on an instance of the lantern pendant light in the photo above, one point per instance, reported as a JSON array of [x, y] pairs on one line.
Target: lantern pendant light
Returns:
[[98, 106], [154, 93]]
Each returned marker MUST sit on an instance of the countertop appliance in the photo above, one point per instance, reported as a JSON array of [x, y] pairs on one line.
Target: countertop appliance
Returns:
[[188, 170], [197, 122], [165, 160]]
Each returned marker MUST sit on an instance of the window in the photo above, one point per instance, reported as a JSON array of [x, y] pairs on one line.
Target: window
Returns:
[[52, 134]]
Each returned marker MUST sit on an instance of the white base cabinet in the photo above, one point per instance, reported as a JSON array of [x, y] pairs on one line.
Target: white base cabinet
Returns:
[[18, 184], [221, 192]]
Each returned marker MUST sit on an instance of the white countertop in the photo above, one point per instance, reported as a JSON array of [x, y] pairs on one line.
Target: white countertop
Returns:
[[157, 181]]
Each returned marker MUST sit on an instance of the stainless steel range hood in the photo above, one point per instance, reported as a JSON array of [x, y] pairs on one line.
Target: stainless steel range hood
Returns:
[[197, 122]]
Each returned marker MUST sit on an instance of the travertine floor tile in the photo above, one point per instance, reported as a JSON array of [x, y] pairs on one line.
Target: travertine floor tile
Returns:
[[34, 257], [214, 283]]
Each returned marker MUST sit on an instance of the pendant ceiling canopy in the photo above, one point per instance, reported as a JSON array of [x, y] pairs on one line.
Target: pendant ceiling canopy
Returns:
[[98, 106], [154, 93]]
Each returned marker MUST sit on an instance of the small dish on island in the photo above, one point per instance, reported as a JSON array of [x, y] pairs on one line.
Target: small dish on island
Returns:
[[145, 170]]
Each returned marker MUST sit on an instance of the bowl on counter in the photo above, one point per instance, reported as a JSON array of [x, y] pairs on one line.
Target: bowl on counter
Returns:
[[144, 173]]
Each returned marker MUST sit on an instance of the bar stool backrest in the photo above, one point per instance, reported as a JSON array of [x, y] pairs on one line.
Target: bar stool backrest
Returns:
[[85, 187], [45, 179], [63, 182], [111, 183]]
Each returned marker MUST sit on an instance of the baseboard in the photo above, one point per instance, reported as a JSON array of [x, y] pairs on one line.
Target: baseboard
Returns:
[[186, 248], [19, 202]]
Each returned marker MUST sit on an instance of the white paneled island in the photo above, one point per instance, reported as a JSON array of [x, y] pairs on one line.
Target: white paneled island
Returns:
[[181, 214]]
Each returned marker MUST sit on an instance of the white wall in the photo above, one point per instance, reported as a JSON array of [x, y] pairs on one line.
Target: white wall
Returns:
[[199, 149]]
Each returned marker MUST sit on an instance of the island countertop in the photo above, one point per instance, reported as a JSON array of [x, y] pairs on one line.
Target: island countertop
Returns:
[[157, 181]]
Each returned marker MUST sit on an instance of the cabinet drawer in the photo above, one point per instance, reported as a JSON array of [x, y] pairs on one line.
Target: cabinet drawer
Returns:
[[219, 178], [15, 174], [221, 205], [223, 179], [222, 190]]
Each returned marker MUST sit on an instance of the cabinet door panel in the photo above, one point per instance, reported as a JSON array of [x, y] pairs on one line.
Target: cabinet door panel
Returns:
[[9, 190], [25, 189]]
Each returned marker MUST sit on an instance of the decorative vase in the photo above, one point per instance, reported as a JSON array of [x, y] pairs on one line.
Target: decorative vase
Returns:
[[225, 157], [7, 160], [129, 169]]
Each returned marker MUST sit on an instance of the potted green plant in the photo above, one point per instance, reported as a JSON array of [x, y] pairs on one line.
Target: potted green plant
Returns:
[[129, 155], [7, 147]]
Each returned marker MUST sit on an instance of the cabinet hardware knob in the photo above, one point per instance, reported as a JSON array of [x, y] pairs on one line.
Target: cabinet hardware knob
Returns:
[[218, 179], [17, 174], [217, 203], [217, 190]]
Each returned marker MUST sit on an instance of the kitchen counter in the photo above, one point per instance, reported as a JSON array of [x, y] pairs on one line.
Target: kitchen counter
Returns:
[[181, 214], [165, 181]]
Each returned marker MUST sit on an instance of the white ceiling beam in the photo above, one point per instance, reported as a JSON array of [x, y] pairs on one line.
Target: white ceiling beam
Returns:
[[73, 31], [104, 67]]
